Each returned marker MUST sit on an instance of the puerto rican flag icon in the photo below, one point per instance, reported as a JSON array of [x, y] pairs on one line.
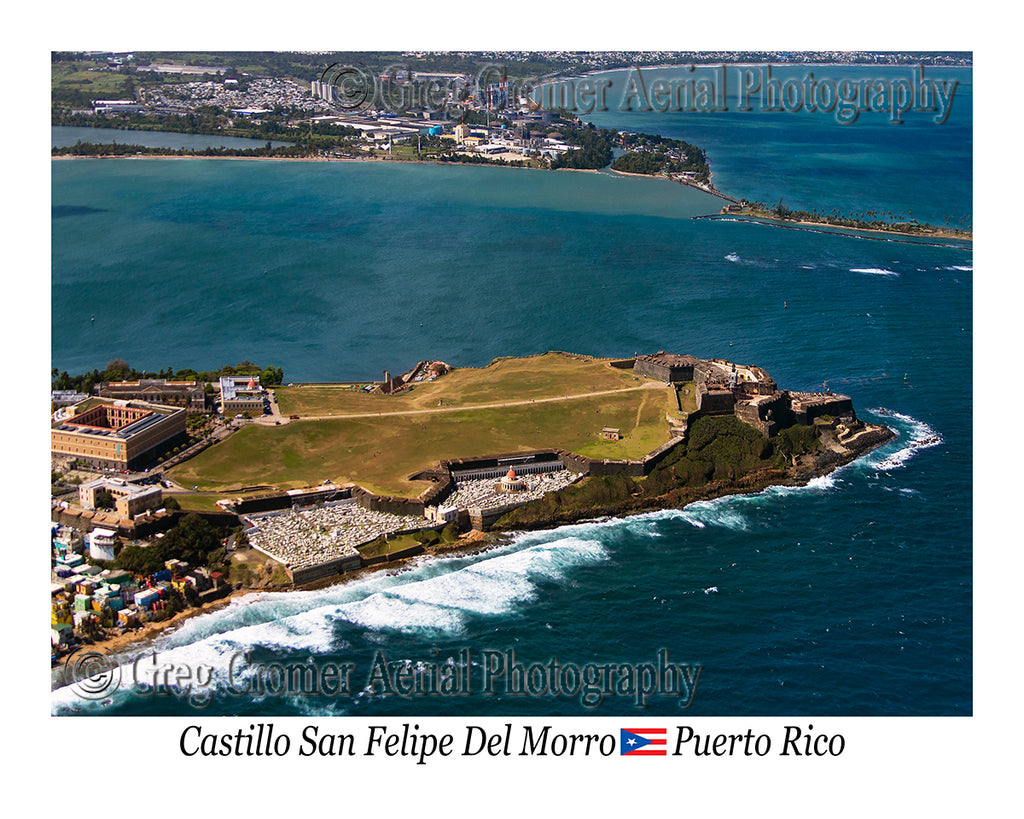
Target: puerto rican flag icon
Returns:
[[642, 741]]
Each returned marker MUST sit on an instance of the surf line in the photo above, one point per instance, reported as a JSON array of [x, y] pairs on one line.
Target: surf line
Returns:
[[720, 217]]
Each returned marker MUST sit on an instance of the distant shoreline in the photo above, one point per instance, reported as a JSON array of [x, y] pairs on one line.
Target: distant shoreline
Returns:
[[741, 216], [684, 182], [715, 193], [840, 230], [774, 64]]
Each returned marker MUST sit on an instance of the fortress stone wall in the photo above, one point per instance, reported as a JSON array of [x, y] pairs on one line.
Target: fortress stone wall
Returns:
[[765, 413], [714, 400], [722, 388], [666, 367], [807, 406]]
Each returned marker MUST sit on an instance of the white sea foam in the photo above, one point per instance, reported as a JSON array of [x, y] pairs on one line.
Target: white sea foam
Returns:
[[821, 483], [875, 271], [729, 512], [496, 585], [495, 592], [963, 268], [919, 436], [387, 611], [435, 597], [723, 512]]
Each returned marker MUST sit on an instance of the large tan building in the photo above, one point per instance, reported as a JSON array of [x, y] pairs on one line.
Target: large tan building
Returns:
[[117, 434], [130, 499]]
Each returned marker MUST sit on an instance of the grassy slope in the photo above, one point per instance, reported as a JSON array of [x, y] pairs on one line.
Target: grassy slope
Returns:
[[380, 453], [509, 379]]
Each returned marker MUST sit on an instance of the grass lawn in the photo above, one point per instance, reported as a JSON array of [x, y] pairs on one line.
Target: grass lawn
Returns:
[[191, 502], [197, 502], [379, 453], [688, 396], [380, 546], [74, 82], [509, 379]]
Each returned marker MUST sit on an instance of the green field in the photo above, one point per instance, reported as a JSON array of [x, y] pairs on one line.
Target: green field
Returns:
[[380, 452], [78, 84], [687, 396], [506, 379]]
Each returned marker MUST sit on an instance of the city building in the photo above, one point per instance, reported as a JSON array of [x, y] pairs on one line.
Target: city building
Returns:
[[66, 398], [189, 394], [117, 434], [130, 499], [511, 483], [115, 106], [241, 395]]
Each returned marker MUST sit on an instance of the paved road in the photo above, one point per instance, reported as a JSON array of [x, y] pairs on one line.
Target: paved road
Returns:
[[275, 418]]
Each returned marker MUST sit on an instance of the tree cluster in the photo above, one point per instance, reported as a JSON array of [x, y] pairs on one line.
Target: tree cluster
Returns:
[[116, 149], [594, 151], [652, 154], [193, 540], [119, 370]]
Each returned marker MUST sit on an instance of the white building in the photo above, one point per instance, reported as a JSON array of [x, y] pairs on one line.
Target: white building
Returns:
[[101, 544], [441, 514]]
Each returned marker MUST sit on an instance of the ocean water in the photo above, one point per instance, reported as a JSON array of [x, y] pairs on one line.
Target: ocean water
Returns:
[[851, 596], [809, 158]]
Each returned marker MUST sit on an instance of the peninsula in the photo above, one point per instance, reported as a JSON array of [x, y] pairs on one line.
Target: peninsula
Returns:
[[324, 479], [867, 222], [426, 108]]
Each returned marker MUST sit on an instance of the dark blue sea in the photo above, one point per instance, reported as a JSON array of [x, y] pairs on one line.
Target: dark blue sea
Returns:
[[850, 596]]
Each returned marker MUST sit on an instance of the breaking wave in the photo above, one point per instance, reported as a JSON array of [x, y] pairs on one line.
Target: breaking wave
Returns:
[[875, 271], [436, 598], [914, 435]]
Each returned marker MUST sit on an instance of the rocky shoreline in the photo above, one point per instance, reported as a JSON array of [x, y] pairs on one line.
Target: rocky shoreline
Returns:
[[826, 460], [831, 455]]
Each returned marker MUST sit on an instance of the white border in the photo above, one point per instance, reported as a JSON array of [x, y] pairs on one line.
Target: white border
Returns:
[[918, 766]]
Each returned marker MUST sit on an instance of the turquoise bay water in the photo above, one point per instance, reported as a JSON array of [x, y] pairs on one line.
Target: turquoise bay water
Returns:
[[62, 136], [849, 596], [811, 160]]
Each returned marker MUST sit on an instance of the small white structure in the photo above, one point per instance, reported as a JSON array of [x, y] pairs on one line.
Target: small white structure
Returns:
[[101, 544], [511, 483], [441, 514]]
